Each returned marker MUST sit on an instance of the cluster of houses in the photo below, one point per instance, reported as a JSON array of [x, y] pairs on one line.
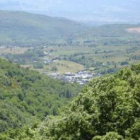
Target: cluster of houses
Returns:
[[49, 58], [80, 77]]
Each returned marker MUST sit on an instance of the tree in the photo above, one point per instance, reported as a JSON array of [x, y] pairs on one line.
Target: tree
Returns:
[[107, 109], [54, 68]]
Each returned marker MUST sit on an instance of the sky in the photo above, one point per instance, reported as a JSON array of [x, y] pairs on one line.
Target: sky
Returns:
[[84, 10]]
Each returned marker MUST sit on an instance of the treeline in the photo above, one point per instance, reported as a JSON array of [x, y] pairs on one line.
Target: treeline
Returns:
[[108, 108], [27, 97]]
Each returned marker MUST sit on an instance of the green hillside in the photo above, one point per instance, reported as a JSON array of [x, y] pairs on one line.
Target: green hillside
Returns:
[[108, 108], [24, 29], [27, 97]]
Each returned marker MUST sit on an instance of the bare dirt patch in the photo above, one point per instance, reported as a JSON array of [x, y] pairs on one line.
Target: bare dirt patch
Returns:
[[134, 30], [14, 50]]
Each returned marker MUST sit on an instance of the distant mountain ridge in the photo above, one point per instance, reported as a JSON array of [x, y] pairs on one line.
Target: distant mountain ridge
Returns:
[[33, 30], [101, 10], [21, 27]]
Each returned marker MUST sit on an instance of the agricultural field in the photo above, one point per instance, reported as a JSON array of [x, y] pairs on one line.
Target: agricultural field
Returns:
[[101, 50], [64, 67], [62, 59], [12, 50], [68, 49], [134, 30], [99, 58]]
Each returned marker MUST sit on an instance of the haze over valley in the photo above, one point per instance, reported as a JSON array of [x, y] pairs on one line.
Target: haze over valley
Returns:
[[93, 11]]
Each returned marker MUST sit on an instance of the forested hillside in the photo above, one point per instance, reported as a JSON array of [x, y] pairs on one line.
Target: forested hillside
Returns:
[[25, 29], [27, 97], [32, 30], [108, 108]]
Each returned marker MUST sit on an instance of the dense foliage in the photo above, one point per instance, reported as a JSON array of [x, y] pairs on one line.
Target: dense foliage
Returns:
[[27, 97], [106, 109]]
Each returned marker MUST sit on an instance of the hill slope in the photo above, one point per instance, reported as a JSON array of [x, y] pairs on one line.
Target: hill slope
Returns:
[[25, 29], [27, 96], [21, 28], [98, 11], [106, 109]]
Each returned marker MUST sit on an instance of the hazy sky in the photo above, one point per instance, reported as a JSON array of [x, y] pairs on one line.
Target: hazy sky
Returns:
[[77, 9]]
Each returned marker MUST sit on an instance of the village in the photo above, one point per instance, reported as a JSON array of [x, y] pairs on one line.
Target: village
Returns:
[[80, 77], [53, 64]]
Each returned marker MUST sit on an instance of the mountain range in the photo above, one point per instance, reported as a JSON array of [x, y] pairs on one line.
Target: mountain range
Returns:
[[19, 28], [32, 29], [86, 11]]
